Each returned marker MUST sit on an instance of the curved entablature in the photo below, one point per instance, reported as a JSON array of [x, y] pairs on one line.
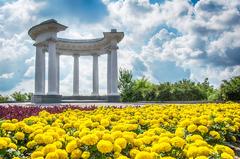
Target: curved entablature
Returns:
[[47, 31], [88, 46]]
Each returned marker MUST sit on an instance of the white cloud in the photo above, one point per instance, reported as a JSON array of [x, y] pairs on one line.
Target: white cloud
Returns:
[[206, 41], [30, 72], [19, 12], [23, 86], [7, 75], [30, 61]]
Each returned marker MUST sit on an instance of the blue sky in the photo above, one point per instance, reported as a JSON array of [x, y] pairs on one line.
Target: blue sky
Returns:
[[164, 40]]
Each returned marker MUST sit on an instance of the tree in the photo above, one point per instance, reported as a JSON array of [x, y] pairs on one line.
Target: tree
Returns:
[[164, 91], [125, 85], [19, 97], [141, 89], [230, 90]]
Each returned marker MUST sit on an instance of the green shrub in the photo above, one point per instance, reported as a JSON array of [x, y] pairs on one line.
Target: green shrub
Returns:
[[3, 99], [19, 97], [143, 90]]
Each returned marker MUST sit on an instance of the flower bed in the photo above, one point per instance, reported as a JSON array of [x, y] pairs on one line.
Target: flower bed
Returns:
[[153, 131], [21, 112]]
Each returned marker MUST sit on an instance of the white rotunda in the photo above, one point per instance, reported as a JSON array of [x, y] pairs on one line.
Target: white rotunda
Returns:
[[47, 41]]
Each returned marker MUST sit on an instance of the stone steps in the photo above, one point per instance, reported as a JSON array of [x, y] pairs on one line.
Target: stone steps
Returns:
[[83, 101]]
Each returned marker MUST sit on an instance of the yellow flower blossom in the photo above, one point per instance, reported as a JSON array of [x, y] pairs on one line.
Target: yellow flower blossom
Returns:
[[104, 146]]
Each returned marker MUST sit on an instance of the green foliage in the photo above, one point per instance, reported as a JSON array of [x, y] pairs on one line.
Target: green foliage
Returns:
[[143, 90], [29, 96], [3, 99], [125, 84], [214, 95], [230, 90], [21, 97]]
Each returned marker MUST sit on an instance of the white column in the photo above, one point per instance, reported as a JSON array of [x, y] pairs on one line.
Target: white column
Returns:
[[52, 68], [58, 72], [76, 75], [95, 75], [109, 80], [39, 71], [114, 69]]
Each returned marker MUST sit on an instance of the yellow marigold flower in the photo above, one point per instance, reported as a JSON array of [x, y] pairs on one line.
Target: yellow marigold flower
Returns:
[[164, 139], [122, 157], [108, 137], [134, 152], [200, 143], [144, 155], [180, 132], [49, 148], [31, 144], [37, 154], [12, 145], [132, 127], [225, 155], [19, 136], [203, 129], [85, 155], [52, 155], [194, 138], [215, 134], [218, 120], [76, 154], [28, 129], [104, 146], [39, 158], [117, 134], [117, 148], [167, 157], [105, 122], [90, 139], [58, 144], [3, 143], [192, 152], [62, 154], [47, 139], [137, 142], [191, 128], [222, 148], [8, 126], [122, 142], [204, 151], [71, 146], [162, 147], [201, 157], [178, 142], [39, 139], [147, 140]]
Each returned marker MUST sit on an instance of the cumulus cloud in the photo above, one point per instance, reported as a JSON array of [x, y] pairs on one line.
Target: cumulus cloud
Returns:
[[7, 75], [208, 42]]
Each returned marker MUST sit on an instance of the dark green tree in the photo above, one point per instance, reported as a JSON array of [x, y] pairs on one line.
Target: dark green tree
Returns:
[[230, 90]]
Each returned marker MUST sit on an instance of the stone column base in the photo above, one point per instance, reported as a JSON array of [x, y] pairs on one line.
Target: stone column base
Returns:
[[46, 98], [113, 98]]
